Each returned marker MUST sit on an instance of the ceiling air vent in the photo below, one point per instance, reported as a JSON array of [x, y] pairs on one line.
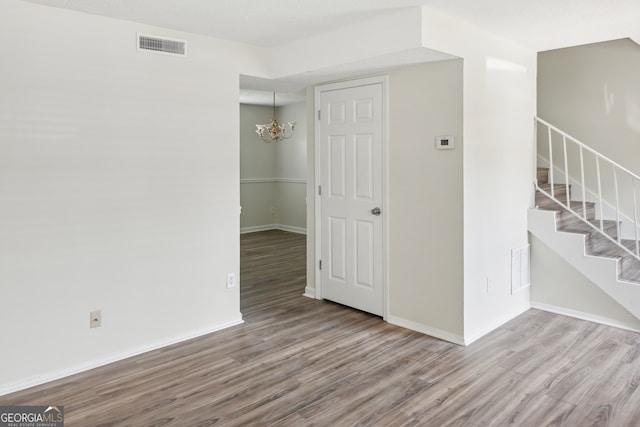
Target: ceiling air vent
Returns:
[[161, 45]]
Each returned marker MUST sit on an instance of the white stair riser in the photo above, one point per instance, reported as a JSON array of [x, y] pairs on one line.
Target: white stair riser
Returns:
[[601, 271]]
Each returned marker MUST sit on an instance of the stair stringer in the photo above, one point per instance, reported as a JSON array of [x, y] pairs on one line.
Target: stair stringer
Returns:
[[601, 271]]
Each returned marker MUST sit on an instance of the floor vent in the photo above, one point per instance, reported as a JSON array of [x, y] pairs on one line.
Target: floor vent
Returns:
[[162, 45]]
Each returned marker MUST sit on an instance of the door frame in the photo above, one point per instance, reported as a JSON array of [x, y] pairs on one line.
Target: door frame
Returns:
[[384, 82]]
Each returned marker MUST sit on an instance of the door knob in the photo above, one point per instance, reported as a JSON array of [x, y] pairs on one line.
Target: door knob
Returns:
[[375, 211]]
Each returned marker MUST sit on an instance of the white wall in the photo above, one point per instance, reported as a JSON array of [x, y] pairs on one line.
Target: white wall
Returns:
[[119, 190], [396, 30], [499, 81], [119, 185], [273, 175], [310, 289]]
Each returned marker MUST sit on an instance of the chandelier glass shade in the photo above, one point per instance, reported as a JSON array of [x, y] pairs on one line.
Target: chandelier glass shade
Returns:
[[275, 131]]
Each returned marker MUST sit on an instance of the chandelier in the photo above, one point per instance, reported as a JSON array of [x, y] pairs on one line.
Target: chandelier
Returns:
[[275, 131]]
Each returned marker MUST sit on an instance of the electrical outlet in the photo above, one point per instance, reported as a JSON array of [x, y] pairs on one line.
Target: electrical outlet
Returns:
[[231, 280], [95, 319], [273, 209]]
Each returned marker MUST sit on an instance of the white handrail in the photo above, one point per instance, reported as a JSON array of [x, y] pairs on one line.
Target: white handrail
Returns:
[[616, 168], [586, 147]]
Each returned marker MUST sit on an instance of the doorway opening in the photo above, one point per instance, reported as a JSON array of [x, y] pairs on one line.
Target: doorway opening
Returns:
[[273, 193]]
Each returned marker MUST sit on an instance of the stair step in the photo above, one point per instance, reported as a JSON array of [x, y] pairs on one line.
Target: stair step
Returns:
[[559, 191], [542, 175], [629, 268], [630, 244], [599, 245], [545, 203], [595, 243], [571, 224]]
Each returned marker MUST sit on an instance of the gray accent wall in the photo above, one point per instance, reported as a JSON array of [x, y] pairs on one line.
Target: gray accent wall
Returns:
[[273, 175]]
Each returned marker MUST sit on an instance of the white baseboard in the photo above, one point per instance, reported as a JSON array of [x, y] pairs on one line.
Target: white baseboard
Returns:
[[291, 228], [266, 180], [427, 330], [62, 373], [257, 228], [309, 292], [496, 324], [584, 316], [267, 227]]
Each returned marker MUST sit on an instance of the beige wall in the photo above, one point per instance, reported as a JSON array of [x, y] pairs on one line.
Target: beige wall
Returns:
[[557, 286], [592, 92], [425, 197], [496, 93], [425, 271]]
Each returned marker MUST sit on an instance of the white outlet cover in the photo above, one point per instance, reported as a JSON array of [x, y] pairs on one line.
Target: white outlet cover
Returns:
[[231, 280], [95, 319]]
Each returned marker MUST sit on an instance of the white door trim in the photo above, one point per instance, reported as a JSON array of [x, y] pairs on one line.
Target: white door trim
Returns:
[[384, 82]]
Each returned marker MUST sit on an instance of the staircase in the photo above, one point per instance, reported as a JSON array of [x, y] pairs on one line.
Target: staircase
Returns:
[[592, 237], [595, 243], [608, 266]]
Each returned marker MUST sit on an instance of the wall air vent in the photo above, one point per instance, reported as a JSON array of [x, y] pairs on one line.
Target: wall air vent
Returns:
[[155, 44], [520, 268]]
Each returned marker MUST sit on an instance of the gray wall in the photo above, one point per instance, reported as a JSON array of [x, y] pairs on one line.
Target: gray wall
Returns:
[[272, 175]]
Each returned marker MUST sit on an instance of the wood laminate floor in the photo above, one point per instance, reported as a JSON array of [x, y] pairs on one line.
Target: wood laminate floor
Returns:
[[303, 362]]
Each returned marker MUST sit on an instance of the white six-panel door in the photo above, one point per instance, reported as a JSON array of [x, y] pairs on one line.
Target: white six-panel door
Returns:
[[351, 158]]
